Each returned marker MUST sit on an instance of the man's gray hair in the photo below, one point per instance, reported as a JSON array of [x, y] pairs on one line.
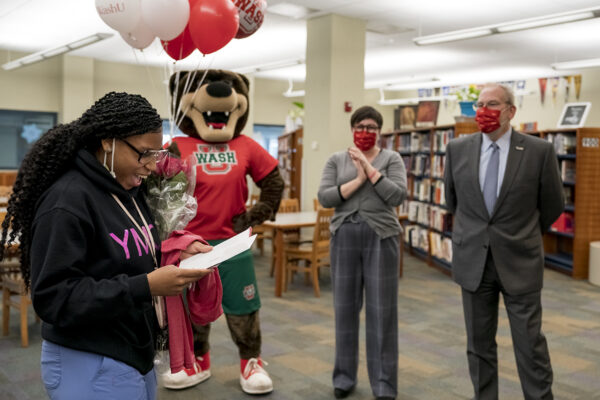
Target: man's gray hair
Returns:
[[508, 92]]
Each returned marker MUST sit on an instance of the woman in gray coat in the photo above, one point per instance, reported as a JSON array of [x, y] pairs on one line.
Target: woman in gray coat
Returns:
[[365, 183]]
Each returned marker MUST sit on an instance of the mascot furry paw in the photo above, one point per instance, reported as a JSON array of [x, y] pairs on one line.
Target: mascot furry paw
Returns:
[[215, 108]]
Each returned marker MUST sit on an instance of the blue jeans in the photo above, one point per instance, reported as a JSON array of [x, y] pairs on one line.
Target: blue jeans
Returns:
[[71, 374]]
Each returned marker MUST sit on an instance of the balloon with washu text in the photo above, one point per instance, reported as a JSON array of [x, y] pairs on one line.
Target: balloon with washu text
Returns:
[[121, 15], [252, 14]]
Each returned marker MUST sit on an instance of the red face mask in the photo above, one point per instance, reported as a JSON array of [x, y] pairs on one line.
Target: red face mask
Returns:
[[487, 119], [364, 140]]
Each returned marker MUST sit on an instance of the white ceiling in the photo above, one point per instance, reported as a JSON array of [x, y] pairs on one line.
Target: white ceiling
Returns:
[[34, 25]]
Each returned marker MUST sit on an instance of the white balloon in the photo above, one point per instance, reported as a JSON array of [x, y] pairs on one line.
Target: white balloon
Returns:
[[166, 18], [121, 15], [140, 37]]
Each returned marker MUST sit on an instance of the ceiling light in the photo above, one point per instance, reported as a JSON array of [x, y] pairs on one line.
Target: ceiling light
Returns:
[[511, 26], [547, 20], [588, 63], [269, 66], [55, 51], [452, 36]]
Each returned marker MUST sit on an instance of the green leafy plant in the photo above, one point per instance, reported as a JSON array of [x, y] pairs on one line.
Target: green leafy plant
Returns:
[[469, 93]]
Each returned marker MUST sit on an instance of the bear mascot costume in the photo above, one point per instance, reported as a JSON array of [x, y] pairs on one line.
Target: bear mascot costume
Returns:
[[215, 108]]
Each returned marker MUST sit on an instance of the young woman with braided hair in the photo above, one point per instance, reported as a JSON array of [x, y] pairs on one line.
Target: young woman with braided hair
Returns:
[[81, 223]]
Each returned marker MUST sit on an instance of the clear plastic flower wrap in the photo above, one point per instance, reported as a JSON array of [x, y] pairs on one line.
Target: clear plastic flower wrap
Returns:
[[170, 194]]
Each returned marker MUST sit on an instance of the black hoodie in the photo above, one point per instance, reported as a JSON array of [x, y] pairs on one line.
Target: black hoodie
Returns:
[[89, 266]]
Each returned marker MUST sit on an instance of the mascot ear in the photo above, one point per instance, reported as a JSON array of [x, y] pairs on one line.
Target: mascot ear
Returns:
[[246, 81]]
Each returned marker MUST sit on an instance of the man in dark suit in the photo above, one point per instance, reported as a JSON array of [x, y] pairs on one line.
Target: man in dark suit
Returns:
[[505, 191]]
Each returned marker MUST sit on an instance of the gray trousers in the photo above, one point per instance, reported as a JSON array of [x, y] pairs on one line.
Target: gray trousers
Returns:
[[360, 260], [529, 343]]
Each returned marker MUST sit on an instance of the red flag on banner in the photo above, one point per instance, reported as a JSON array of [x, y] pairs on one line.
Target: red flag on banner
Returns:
[[543, 82]]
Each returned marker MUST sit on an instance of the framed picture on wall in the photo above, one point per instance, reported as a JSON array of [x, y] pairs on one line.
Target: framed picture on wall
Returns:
[[574, 115], [405, 117], [427, 113]]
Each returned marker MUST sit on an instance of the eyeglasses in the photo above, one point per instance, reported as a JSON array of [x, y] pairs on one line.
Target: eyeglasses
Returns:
[[492, 105], [148, 156], [368, 128]]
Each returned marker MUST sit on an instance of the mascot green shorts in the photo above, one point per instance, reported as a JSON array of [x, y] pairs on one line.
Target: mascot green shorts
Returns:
[[240, 292]]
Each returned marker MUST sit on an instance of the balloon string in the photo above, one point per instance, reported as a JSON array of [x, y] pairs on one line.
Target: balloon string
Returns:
[[166, 76], [190, 81], [145, 63]]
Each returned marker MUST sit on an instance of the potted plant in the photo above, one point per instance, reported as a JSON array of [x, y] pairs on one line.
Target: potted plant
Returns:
[[467, 96]]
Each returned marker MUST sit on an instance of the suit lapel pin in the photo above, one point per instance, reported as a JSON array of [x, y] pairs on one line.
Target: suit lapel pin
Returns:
[[519, 148]]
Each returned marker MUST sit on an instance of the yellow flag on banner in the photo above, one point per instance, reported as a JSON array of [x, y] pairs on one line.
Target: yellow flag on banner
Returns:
[[577, 79]]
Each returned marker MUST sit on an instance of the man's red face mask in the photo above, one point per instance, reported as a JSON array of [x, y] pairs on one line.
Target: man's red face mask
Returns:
[[487, 119]]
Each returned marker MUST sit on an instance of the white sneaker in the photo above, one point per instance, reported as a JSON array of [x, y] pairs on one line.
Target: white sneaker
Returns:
[[185, 378], [255, 380]]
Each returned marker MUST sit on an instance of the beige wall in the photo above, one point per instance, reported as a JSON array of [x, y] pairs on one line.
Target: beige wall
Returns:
[[36, 87]]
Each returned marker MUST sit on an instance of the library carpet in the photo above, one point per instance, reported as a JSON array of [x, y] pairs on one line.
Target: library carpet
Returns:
[[298, 344]]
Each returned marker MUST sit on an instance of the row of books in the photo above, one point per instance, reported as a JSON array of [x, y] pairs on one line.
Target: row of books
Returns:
[[428, 190], [418, 212], [441, 246], [426, 214], [567, 170], [440, 219], [420, 141], [417, 237], [421, 190], [564, 143], [420, 164], [441, 139], [404, 143], [569, 192], [437, 166]]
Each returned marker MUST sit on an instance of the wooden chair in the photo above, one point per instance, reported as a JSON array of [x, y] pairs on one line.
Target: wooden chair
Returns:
[[316, 204], [315, 254], [14, 294], [285, 206], [289, 205], [258, 229]]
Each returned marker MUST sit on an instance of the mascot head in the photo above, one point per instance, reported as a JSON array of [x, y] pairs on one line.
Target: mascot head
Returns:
[[214, 103]]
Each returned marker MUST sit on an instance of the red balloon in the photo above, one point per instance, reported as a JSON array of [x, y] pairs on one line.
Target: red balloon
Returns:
[[252, 14], [213, 23], [180, 47]]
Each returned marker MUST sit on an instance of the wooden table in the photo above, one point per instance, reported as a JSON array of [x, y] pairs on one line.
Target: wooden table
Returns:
[[283, 222]]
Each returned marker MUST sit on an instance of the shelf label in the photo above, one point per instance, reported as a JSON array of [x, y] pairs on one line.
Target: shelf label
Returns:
[[590, 142]]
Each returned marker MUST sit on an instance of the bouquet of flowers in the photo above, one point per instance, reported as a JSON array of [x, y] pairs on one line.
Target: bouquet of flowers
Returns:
[[170, 194]]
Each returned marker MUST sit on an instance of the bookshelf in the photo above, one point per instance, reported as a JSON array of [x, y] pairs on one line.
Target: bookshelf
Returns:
[[427, 234], [566, 244], [289, 155]]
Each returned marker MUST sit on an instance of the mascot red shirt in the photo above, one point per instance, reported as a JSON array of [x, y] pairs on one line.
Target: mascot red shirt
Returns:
[[221, 170]]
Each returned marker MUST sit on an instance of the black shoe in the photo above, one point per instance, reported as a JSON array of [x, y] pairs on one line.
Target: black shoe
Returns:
[[341, 393]]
